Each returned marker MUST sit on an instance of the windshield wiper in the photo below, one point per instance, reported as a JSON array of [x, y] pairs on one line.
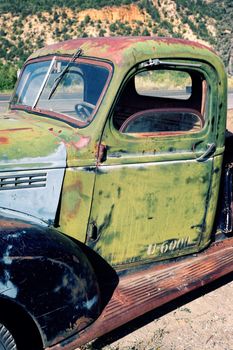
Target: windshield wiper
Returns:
[[43, 83], [61, 75]]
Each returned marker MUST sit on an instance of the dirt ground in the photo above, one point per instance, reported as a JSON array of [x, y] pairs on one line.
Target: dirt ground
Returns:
[[201, 320]]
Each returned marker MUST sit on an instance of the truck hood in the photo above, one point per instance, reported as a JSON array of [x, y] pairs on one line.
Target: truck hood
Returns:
[[32, 164], [29, 143]]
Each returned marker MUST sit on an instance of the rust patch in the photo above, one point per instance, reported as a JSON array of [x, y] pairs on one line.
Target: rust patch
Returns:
[[12, 224], [117, 43], [4, 140], [112, 48], [74, 201], [16, 129], [82, 322], [83, 142]]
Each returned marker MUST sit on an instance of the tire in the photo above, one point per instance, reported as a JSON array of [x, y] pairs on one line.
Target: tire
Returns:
[[7, 341]]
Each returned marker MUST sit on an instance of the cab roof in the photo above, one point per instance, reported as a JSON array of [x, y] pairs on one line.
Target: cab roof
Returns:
[[127, 51]]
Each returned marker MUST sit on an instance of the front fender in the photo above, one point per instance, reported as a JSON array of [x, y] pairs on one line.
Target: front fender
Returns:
[[48, 275]]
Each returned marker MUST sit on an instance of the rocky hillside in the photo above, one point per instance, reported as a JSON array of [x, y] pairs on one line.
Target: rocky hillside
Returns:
[[26, 25]]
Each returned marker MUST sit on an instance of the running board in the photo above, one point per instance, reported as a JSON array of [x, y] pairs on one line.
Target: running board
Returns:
[[143, 291]]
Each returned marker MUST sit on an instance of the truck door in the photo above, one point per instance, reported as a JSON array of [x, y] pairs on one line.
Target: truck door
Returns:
[[156, 190]]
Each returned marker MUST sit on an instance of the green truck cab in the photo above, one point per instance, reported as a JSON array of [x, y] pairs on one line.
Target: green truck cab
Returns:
[[115, 186]]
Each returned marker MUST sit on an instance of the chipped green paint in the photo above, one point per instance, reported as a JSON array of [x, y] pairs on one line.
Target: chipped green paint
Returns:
[[126, 51], [151, 199], [75, 202], [24, 136], [24, 139], [159, 202]]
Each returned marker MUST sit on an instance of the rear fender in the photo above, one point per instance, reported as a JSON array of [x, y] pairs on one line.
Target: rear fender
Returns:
[[48, 275]]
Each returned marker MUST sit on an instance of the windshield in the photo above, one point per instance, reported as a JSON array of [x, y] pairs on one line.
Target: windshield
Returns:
[[76, 95]]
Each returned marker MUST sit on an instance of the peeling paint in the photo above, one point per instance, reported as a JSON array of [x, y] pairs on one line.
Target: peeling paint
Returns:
[[6, 257], [90, 303], [7, 288], [115, 49]]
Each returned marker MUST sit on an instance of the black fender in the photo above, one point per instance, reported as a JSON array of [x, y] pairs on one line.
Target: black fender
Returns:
[[48, 275]]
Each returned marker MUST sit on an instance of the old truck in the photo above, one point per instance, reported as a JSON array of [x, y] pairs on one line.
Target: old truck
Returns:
[[115, 186]]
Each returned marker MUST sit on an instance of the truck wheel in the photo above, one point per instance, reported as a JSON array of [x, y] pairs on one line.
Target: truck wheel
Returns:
[[7, 341]]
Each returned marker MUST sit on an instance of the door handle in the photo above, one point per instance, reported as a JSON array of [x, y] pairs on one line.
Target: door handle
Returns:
[[210, 150]]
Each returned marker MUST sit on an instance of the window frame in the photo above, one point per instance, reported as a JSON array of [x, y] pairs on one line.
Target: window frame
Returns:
[[178, 64], [60, 116]]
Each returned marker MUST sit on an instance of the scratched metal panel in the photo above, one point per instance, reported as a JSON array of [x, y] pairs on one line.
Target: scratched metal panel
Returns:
[[76, 201], [41, 201], [152, 210], [55, 159]]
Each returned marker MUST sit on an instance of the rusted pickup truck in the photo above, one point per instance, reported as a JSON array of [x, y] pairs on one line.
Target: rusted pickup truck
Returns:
[[115, 186]]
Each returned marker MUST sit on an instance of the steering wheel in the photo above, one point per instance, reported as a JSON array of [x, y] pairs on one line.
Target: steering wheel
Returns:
[[84, 110]]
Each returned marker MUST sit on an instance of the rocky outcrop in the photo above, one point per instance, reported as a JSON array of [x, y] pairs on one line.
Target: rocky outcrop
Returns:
[[112, 14]]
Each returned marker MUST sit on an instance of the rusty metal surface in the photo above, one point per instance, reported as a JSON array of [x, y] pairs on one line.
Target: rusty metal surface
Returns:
[[146, 290], [114, 48]]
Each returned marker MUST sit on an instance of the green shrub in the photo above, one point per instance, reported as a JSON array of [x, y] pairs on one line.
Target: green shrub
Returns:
[[8, 76], [113, 27], [102, 32]]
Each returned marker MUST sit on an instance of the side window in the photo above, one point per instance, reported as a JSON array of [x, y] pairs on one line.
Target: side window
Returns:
[[162, 101]]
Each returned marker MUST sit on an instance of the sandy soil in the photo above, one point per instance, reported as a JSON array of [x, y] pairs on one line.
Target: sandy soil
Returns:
[[201, 320]]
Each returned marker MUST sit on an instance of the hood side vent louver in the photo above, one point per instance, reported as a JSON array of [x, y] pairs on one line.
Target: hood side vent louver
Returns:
[[14, 182]]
